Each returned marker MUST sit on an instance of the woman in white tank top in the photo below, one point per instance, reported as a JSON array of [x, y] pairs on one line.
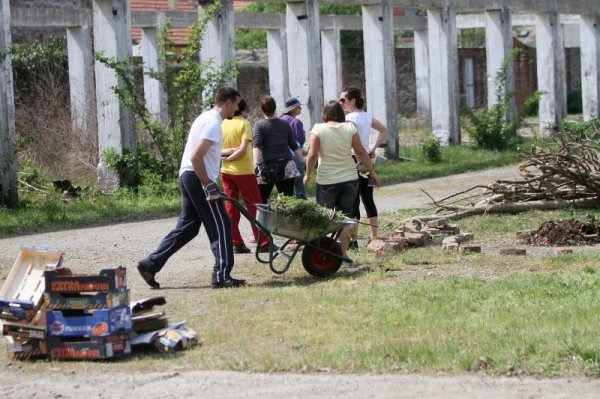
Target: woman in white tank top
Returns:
[[353, 104]]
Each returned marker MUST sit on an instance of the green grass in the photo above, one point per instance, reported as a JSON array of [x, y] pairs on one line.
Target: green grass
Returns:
[[40, 212], [422, 310], [44, 213]]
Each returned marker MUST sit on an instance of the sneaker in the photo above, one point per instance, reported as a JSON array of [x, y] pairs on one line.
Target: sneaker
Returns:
[[148, 276], [353, 245], [229, 283], [265, 248], [241, 249]]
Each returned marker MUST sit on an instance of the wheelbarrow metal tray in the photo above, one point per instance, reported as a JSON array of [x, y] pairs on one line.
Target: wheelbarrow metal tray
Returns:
[[277, 223]]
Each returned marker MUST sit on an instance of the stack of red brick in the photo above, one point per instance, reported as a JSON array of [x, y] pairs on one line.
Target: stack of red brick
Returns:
[[417, 233]]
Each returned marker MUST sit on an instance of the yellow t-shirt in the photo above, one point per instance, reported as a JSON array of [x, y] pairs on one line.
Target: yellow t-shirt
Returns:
[[335, 162], [233, 131]]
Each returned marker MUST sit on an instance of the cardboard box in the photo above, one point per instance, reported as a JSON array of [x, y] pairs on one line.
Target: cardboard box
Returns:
[[21, 293], [100, 300], [107, 280], [23, 333], [17, 311], [100, 322], [92, 348], [33, 348]]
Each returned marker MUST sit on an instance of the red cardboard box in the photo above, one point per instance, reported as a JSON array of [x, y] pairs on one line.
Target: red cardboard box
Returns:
[[93, 348], [100, 322], [108, 280]]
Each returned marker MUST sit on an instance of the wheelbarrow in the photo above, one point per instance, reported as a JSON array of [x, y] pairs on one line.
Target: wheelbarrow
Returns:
[[321, 251]]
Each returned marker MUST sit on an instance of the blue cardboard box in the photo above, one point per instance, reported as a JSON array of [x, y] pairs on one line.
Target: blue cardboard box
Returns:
[[98, 323]]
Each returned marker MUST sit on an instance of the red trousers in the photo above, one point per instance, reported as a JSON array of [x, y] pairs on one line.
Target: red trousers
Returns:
[[246, 185]]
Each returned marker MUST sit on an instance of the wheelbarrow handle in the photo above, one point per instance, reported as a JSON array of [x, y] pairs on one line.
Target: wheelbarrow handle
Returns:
[[247, 215]]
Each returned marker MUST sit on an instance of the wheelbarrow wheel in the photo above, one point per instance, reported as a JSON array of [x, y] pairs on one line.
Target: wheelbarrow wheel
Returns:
[[319, 263]]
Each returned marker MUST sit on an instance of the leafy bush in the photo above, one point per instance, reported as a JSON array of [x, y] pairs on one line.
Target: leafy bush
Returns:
[[32, 61], [432, 149], [489, 127], [581, 129]]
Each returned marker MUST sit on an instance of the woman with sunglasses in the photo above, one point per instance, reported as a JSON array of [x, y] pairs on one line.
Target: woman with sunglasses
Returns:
[[353, 104]]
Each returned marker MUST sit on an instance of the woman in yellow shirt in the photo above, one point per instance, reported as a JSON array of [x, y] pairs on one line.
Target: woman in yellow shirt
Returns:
[[337, 181], [237, 174]]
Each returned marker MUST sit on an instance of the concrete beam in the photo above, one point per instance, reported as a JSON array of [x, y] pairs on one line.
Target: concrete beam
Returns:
[[154, 94], [181, 19], [8, 150], [443, 70], [590, 65], [533, 6], [422, 73], [380, 68], [304, 58], [498, 46], [40, 17], [218, 41], [81, 79], [551, 75], [116, 129], [478, 20], [278, 67], [331, 50]]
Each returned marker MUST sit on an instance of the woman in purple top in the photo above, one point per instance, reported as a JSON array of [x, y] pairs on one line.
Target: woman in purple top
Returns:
[[293, 108], [272, 139]]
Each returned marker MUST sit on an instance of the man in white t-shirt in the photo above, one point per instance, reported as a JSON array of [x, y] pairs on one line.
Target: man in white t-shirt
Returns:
[[200, 199]]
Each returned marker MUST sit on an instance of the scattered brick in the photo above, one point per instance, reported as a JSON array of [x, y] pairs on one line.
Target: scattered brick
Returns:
[[563, 251], [476, 249], [513, 251]]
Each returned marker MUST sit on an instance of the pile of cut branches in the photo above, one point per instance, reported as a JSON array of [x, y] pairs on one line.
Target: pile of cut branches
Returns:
[[566, 174]]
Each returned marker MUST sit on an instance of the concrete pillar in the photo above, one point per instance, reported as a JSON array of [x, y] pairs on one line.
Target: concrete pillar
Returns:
[[218, 41], [590, 65], [304, 58], [422, 74], [443, 70], [380, 68], [81, 79], [278, 69], [550, 71], [112, 35], [332, 63], [498, 46], [154, 94], [8, 154]]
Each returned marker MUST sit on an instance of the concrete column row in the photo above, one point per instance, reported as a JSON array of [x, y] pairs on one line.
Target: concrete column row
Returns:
[[305, 61]]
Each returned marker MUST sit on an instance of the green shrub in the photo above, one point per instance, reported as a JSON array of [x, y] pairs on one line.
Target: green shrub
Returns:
[[432, 149], [489, 127]]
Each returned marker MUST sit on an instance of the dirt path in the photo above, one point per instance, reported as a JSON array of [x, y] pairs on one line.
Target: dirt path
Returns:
[[96, 248]]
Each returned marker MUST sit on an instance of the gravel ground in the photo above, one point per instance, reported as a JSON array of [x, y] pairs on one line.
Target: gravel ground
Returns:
[[107, 246]]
